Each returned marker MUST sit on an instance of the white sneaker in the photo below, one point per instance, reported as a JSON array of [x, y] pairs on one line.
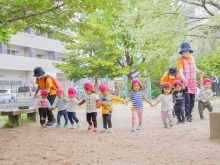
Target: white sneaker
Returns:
[[110, 130], [78, 124], [73, 126], [103, 130]]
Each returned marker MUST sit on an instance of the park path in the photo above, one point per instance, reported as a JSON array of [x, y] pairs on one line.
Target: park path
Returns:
[[187, 143]]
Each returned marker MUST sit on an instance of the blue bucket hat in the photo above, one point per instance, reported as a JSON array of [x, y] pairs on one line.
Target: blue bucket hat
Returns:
[[185, 47], [38, 71]]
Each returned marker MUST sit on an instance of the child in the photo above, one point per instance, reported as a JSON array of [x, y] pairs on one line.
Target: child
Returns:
[[61, 104], [92, 103], [107, 109], [187, 73], [166, 104], [71, 107], [137, 97], [204, 95], [43, 104], [179, 100]]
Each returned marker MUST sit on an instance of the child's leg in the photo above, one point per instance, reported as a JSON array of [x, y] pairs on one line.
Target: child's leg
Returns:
[[44, 115], [170, 115], [94, 115], [177, 112], [134, 117], [104, 118], [140, 116], [65, 116], [201, 107], [74, 117], [182, 112], [88, 118], [109, 121], [70, 116], [58, 117], [164, 116], [41, 116], [209, 106]]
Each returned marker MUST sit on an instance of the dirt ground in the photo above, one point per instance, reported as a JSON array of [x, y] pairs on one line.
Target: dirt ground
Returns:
[[187, 143]]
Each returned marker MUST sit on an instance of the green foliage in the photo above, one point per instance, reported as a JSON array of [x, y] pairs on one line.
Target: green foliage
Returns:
[[9, 125]]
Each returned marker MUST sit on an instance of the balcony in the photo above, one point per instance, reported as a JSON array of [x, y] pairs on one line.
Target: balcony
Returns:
[[26, 63]]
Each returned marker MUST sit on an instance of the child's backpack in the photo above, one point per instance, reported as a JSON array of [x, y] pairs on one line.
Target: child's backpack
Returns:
[[57, 83]]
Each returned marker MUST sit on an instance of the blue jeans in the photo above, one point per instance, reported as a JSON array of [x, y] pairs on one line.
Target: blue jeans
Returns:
[[72, 117], [62, 113], [189, 104]]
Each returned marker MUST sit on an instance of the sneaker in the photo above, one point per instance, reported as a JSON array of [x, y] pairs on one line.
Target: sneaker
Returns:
[[65, 125], [54, 121], [95, 130], [170, 123], [89, 127], [42, 125], [179, 121], [78, 124], [183, 120], [133, 129], [188, 119], [139, 127], [73, 126], [165, 125], [201, 117], [103, 130], [58, 125], [110, 130], [50, 123]]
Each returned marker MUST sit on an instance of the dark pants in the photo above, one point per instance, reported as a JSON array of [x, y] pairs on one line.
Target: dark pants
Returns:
[[50, 115], [189, 104], [203, 105], [72, 117], [43, 115], [180, 111], [91, 117], [64, 114], [107, 120]]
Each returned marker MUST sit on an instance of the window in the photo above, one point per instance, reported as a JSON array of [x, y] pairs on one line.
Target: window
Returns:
[[13, 52], [40, 56], [61, 59]]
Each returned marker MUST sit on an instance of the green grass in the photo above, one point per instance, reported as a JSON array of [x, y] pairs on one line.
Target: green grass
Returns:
[[3, 118], [9, 125]]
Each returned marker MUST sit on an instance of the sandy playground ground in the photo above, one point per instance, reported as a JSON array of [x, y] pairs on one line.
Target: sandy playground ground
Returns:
[[187, 143]]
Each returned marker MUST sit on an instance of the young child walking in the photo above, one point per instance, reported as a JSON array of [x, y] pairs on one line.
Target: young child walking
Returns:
[[92, 103], [42, 104], [61, 104], [137, 97], [179, 100], [107, 108], [71, 107], [205, 95], [166, 100]]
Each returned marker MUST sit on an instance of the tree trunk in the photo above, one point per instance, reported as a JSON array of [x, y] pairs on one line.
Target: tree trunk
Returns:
[[96, 84]]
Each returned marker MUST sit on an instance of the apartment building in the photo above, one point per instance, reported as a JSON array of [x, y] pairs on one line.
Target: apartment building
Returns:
[[26, 51]]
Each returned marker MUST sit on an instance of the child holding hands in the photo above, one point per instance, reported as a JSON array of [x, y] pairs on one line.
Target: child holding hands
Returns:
[[137, 97]]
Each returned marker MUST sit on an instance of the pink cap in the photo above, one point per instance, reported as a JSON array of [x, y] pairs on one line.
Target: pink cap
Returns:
[[44, 92], [135, 80], [60, 91], [178, 82], [89, 86], [207, 80], [103, 87], [166, 84], [71, 92]]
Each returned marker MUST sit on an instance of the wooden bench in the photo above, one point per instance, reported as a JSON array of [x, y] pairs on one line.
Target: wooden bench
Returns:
[[14, 116], [215, 125]]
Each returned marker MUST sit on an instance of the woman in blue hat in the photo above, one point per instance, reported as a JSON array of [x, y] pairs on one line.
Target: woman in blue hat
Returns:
[[187, 73]]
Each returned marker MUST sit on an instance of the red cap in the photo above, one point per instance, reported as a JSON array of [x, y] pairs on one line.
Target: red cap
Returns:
[[103, 87], [60, 91], [207, 80], [178, 82], [44, 92], [71, 92], [135, 80], [89, 86], [166, 84]]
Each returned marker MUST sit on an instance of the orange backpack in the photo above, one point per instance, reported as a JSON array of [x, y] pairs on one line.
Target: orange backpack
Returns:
[[57, 83]]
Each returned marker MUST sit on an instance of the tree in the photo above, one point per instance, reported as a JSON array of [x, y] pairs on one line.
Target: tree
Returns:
[[43, 16]]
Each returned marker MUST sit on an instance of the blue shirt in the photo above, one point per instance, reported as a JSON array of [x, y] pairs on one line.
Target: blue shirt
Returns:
[[137, 99]]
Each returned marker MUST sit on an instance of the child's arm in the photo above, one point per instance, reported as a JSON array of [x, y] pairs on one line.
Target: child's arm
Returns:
[[48, 104], [81, 102], [56, 105], [37, 104], [148, 101], [97, 103], [201, 80], [100, 104], [174, 99], [156, 103], [127, 99], [118, 99]]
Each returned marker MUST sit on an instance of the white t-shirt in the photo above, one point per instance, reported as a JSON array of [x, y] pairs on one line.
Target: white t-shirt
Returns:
[[91, 102], [42, 103], [166, 101], [204, 93], [71, 106]]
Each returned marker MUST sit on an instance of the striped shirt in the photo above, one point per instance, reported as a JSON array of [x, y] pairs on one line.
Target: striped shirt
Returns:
[[137, 99], [61, 104]]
